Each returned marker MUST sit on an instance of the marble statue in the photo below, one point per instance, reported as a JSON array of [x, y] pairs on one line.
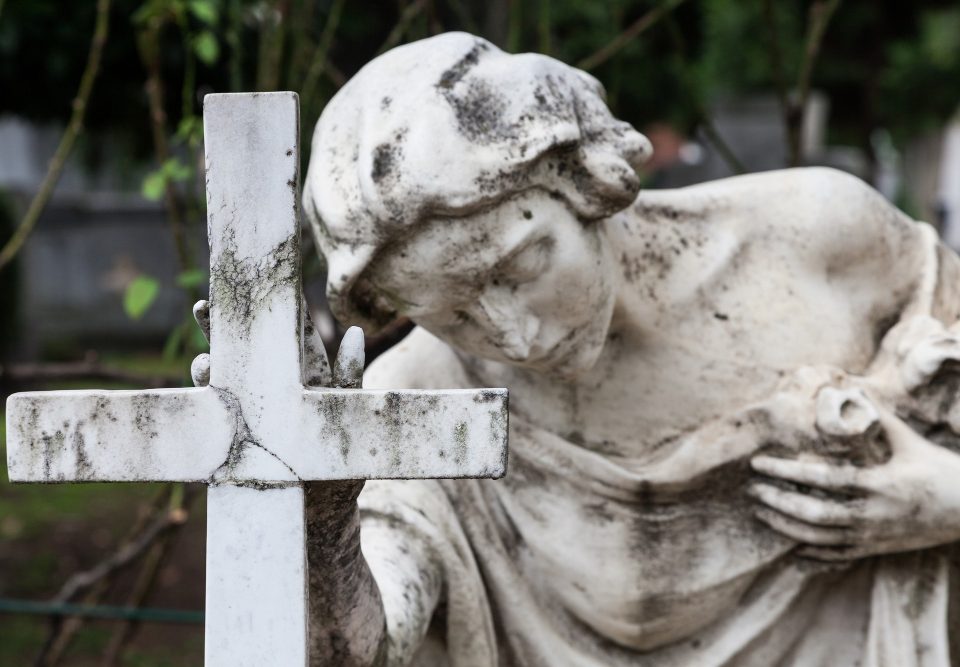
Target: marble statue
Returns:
[[734, 415]]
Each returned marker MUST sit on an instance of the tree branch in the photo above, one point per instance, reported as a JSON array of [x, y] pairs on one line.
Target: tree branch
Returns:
[[64, 628], [87, 369], [633, 30], [165, 521], [318, 63], [779, 80], [409, 13], [146, 579], [821, 12], [67, 141], [148, 43], [704, 120]]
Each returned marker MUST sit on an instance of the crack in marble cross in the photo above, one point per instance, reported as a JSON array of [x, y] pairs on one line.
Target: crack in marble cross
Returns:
[[256, 433]]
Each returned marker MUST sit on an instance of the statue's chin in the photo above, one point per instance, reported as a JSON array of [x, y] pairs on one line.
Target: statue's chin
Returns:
[[568, 362]]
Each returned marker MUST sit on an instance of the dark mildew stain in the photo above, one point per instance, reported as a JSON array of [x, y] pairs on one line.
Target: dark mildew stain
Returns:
[[393, 419], [460, 439], [53, 447], [383, 162], [487, 396], [666, 212], [332, 408], [239, 286], [144, 406], [84, 470], [462, 66], [242, 439]]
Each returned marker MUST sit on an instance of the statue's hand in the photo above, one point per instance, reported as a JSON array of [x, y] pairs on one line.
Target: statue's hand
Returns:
[[200, 368], [347, 372], [844, 512]]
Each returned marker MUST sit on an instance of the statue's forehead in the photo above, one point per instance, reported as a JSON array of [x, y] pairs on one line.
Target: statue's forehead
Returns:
[[476, 242]]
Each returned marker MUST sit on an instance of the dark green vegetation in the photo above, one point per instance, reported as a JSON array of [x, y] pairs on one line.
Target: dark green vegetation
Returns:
[[890, 66]]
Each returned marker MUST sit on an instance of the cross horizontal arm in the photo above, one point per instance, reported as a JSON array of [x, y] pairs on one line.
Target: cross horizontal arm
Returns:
[[123, 436], [406, 434]]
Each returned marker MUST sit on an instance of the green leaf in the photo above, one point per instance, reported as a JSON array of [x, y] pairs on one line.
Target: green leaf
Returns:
[[190, 130], [140, 294], [204, 11], [206, 47], [154, 185], [175, 170], [191, 278]]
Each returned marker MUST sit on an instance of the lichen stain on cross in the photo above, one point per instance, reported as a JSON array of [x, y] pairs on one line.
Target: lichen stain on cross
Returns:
[[256, 433]]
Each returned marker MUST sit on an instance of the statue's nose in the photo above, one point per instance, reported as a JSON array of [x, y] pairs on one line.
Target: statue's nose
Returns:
[[516, 328]]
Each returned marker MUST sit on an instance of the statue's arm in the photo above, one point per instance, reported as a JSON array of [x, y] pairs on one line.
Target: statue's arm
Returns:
[[910, 283], [375, 573], [864, 244], [354, 621], [371, 598], [347, 623]]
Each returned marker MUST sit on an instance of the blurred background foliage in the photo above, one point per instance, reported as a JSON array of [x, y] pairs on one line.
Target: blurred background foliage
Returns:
[[889, 65], [889, 70]]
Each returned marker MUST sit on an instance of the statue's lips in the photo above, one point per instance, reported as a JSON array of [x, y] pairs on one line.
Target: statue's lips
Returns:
[[532, 354]]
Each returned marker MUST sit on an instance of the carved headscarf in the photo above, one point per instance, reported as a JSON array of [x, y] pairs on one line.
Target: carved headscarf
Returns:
[[448, 126]]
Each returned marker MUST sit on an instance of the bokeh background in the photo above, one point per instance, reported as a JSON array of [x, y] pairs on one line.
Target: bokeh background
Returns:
[[102, 220]]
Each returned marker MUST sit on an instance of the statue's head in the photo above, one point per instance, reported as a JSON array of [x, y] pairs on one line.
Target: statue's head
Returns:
[[461, 186]]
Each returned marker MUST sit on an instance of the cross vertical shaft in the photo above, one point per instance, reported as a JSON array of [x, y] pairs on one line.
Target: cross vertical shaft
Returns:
[[255, 434], [256, 556]]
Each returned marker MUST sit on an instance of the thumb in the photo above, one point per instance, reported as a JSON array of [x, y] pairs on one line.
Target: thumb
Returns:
[[902, 438]]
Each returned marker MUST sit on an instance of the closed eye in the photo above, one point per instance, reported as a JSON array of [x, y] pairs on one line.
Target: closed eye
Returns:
[[526, 263]]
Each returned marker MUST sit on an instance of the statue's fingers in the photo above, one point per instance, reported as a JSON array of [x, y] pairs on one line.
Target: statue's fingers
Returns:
[[845, 412], [803, 532], [829, 476], [808, 509], [200, 370], [348, 368], [201, 313], [901, 436], [928, 358], [316, 365]]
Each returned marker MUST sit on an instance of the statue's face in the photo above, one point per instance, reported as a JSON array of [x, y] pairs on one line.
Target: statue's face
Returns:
[[524, 283]]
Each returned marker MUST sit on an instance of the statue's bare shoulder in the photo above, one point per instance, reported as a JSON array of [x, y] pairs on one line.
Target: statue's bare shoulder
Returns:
[[419, 361], [823, 218]]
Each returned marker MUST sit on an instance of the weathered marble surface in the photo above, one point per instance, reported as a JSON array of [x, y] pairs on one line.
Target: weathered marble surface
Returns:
[[734, 422], [260, 424]]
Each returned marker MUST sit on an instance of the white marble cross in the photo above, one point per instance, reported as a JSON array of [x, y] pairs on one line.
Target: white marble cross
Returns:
[[256, 433]]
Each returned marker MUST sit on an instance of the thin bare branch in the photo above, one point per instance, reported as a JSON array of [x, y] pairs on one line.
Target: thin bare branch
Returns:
[[632, 31], [821, 12], [87, 369], [318, 63], [64, 629], [129, 552], [779, 78], [707, 126], [716, 140], [67, 141], [272, 38], [146, 579], [148, 43], [335, 74], [409, 13]]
